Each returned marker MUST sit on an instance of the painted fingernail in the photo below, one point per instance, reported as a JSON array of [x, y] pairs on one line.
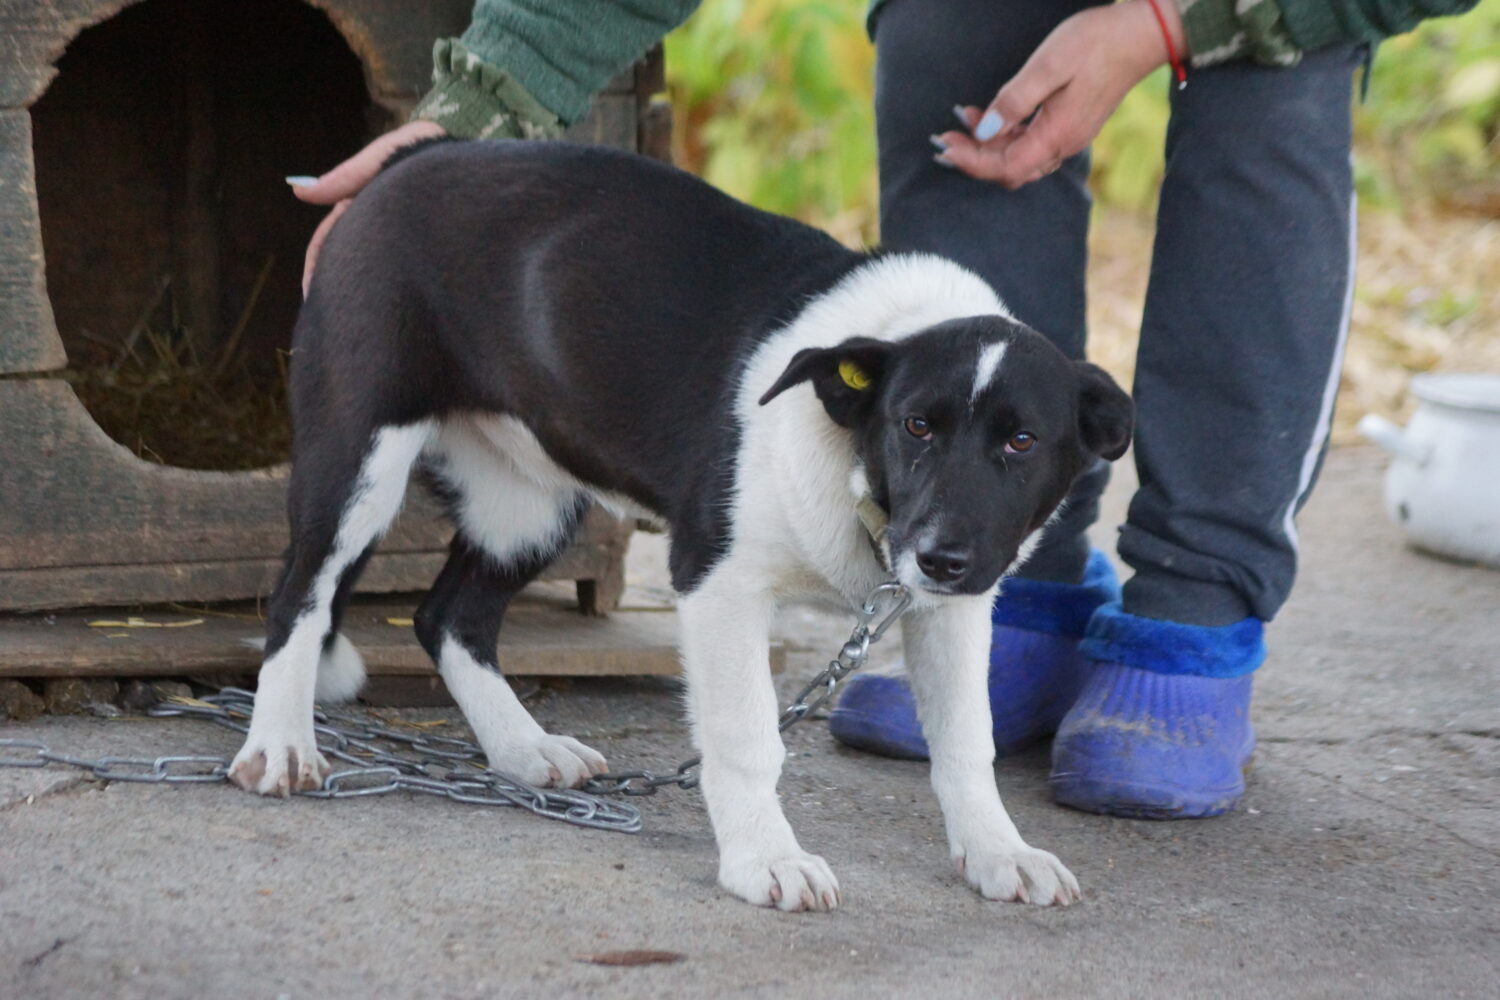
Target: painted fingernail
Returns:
[[989, 126], [942, 160], [938, 143], [958, 112], [301, 181]]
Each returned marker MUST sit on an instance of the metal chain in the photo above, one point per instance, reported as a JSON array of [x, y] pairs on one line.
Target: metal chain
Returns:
[[385, 760], [381, 759], [878, 613]]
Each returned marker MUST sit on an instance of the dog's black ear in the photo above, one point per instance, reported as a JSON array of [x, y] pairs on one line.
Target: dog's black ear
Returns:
[[1106, 416], [845, 377]]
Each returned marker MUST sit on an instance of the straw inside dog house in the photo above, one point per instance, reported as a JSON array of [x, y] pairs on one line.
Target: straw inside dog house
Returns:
[[147, 236]]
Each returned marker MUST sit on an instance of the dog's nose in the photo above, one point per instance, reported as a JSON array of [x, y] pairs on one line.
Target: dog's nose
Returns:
[[943, 563]]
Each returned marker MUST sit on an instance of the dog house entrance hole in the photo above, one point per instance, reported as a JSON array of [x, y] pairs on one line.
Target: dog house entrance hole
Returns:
[[173, 248]]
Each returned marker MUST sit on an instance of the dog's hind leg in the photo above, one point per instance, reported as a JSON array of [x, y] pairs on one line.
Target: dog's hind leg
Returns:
[[459, 625], [343, 497], [513, 521]]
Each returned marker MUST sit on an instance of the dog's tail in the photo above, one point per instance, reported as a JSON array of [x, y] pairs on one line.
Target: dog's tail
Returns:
[[341, 670]]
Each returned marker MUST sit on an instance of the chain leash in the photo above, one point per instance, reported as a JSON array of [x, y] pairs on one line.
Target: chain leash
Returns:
[[878, 613], [383, 760]]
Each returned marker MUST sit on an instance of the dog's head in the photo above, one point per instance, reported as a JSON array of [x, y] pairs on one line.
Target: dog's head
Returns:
[[970, 433]]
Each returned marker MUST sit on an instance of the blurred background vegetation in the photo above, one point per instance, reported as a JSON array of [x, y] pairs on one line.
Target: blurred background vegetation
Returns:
[[773, 103]]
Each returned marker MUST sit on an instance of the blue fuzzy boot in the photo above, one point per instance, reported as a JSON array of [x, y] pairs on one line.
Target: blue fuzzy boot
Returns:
[[1162, 728], [1036, 670]]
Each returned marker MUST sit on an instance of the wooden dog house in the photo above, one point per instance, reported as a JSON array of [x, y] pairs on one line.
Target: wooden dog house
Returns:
[[142, 151]]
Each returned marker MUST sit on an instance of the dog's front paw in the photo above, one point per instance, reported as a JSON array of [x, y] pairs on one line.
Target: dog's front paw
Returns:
[[794, 880], [548, 762], [279, 765], [1020, 873]]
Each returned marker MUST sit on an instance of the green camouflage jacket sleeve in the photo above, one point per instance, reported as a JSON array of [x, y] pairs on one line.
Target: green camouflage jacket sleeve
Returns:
[[1277, 32], [528, 68]]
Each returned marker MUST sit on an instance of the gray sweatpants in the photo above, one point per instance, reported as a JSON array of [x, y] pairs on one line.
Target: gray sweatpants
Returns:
[[1246, 312]]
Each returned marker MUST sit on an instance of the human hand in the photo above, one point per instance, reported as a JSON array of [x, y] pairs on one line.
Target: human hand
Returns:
[[344, 181], [1068, 88]]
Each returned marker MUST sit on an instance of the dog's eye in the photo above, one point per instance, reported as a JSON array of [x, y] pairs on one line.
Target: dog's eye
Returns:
[[1021, 441], [918, 428]]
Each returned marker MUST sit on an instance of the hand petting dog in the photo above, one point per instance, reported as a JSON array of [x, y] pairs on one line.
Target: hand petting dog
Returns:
[[347, 179]]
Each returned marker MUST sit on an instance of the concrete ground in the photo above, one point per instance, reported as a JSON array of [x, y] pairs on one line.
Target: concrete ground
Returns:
[[1362, 862]]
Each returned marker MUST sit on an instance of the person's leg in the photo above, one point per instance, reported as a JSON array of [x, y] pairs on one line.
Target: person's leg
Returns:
[[1031, 245], [1246, 314]]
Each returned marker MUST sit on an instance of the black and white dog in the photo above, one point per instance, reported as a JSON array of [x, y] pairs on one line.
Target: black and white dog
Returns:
[[537, 324]]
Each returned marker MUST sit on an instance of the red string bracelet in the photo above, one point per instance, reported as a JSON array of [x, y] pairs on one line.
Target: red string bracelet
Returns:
[[1178, 70]]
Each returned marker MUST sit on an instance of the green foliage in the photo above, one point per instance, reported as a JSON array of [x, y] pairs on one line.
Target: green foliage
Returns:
[[774, 104], [1432, 120], [1449, 307], [1128, 154], [773, 100]]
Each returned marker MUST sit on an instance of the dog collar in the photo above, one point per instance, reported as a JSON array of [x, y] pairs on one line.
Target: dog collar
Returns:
[[875, 520]]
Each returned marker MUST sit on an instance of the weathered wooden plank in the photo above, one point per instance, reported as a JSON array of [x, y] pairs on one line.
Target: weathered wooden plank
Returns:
[[542, 637], [650, 74], [392, 38], [84, 520], [195, 209], [404, 691], [35, 35], [611, 122], [595, 572], [622, 82], [75, 498], [654, 131], [80, 586], [28, 333], [596, 563]]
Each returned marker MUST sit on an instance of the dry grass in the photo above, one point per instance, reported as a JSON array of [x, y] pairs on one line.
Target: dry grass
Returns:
[[1427, 298], [164, 403], [172, 401]]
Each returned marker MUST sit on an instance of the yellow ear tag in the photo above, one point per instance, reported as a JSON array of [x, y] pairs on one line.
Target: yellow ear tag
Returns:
[[854, 376]]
